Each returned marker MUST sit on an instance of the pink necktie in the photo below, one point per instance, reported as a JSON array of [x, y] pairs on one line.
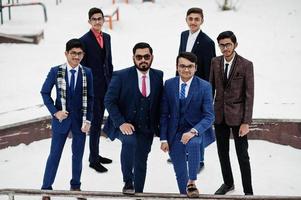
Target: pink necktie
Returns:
[[143, 86]]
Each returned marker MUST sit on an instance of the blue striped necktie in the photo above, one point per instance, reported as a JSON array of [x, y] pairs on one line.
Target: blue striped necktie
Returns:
[[182, 92]]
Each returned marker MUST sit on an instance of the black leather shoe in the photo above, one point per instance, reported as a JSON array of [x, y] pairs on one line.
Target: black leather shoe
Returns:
[[224, 189], [104, 160], [98, 167], [128, 188], [77, 189], [201, 167]]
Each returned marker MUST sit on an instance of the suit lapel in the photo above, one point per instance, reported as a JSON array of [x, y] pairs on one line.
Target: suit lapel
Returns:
[[196, 43], [232, 70], [184, 42], [133, 89], [96, 45], [176, 92], [152, 79]]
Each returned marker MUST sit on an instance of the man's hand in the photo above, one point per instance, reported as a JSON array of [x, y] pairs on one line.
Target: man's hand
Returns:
[[243, 130], [127, 128], [164, 147], [86, 127], [61, 115], [186, 137]]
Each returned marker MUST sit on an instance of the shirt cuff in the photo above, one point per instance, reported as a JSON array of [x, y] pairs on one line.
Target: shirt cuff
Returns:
[[162, 141], [194, 131]]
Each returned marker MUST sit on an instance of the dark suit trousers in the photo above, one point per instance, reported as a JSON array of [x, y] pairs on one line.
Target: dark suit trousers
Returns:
[[98, 111], [222, 132], [57, 144], [134, 153]]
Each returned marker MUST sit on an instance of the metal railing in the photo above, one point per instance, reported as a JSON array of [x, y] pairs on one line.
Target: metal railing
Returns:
[[11, 193]]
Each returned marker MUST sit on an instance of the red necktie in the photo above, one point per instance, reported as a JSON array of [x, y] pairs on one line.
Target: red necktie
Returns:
[[100, 40], [143, 86]]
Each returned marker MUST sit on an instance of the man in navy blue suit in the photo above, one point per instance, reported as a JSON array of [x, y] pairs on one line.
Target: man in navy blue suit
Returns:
[[98, 58], [196, 41], [186, 114], [71, 111], [133, 102]]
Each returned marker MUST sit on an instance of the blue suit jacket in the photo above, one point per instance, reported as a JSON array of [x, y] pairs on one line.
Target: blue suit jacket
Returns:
[[121, 100], [204, 49], [198, 112], [92, 60], [74, 107]]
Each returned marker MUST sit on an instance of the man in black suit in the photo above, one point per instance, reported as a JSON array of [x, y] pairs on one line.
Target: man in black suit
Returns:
[[133, 102], [196, 41], [98, 57]]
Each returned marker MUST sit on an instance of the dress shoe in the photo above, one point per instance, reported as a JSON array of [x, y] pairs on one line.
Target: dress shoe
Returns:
[[192, 191], [169, 161], [45, 197], [98, 167], [104, 160], [224, 189], [128, 188], [201, 167], [77, 189]]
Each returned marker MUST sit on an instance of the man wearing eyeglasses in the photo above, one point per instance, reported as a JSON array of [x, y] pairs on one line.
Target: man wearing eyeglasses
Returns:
[[186, 114], [98, 57], [71, 111], [232, 80], [196, 41], [133, 102]]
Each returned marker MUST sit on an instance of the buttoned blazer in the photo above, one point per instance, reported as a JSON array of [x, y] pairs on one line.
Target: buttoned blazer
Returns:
[[233, 102], [92, 60], [122, 99], [198, 109], [73, 104], [204, 49]]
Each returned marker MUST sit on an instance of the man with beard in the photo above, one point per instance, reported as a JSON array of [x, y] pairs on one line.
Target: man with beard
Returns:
[[232, 80], [133, 102]]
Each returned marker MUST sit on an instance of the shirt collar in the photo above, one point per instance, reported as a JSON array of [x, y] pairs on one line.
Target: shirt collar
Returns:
[[140, 74], [187, 83], [69, 67], [97, 34], [195, 34], [231, 61]]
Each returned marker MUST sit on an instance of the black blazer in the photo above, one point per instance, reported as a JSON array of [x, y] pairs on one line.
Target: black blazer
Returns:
[[92, 60], [121, 99], [204, 49]]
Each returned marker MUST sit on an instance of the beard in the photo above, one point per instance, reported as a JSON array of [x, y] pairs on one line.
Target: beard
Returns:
[[143, 66]]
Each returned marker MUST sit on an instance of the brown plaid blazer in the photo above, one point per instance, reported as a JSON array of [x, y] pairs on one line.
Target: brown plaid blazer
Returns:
[[233, 100]]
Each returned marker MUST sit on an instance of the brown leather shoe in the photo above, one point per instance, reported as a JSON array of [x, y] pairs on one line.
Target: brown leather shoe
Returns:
[[45, 197], [192, 191]]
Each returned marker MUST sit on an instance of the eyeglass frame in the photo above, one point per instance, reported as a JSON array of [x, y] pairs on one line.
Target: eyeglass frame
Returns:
[[189, 67], [225, 46], [74, 53]]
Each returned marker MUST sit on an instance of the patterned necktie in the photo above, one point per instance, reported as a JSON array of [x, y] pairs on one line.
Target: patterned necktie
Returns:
[[100, 40], [143, 86], [72, 81], [182, 92]]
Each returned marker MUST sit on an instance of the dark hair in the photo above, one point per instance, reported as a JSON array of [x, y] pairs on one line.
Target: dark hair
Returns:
[[93, 11], [227, 34], [142, 45], [195, 10], [74, 43], [189, 56]]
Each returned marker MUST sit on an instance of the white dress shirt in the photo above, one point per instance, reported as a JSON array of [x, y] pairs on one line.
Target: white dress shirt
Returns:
[[147, 81], [70, 74], [191, 40], [188, 83], [229, 66]]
